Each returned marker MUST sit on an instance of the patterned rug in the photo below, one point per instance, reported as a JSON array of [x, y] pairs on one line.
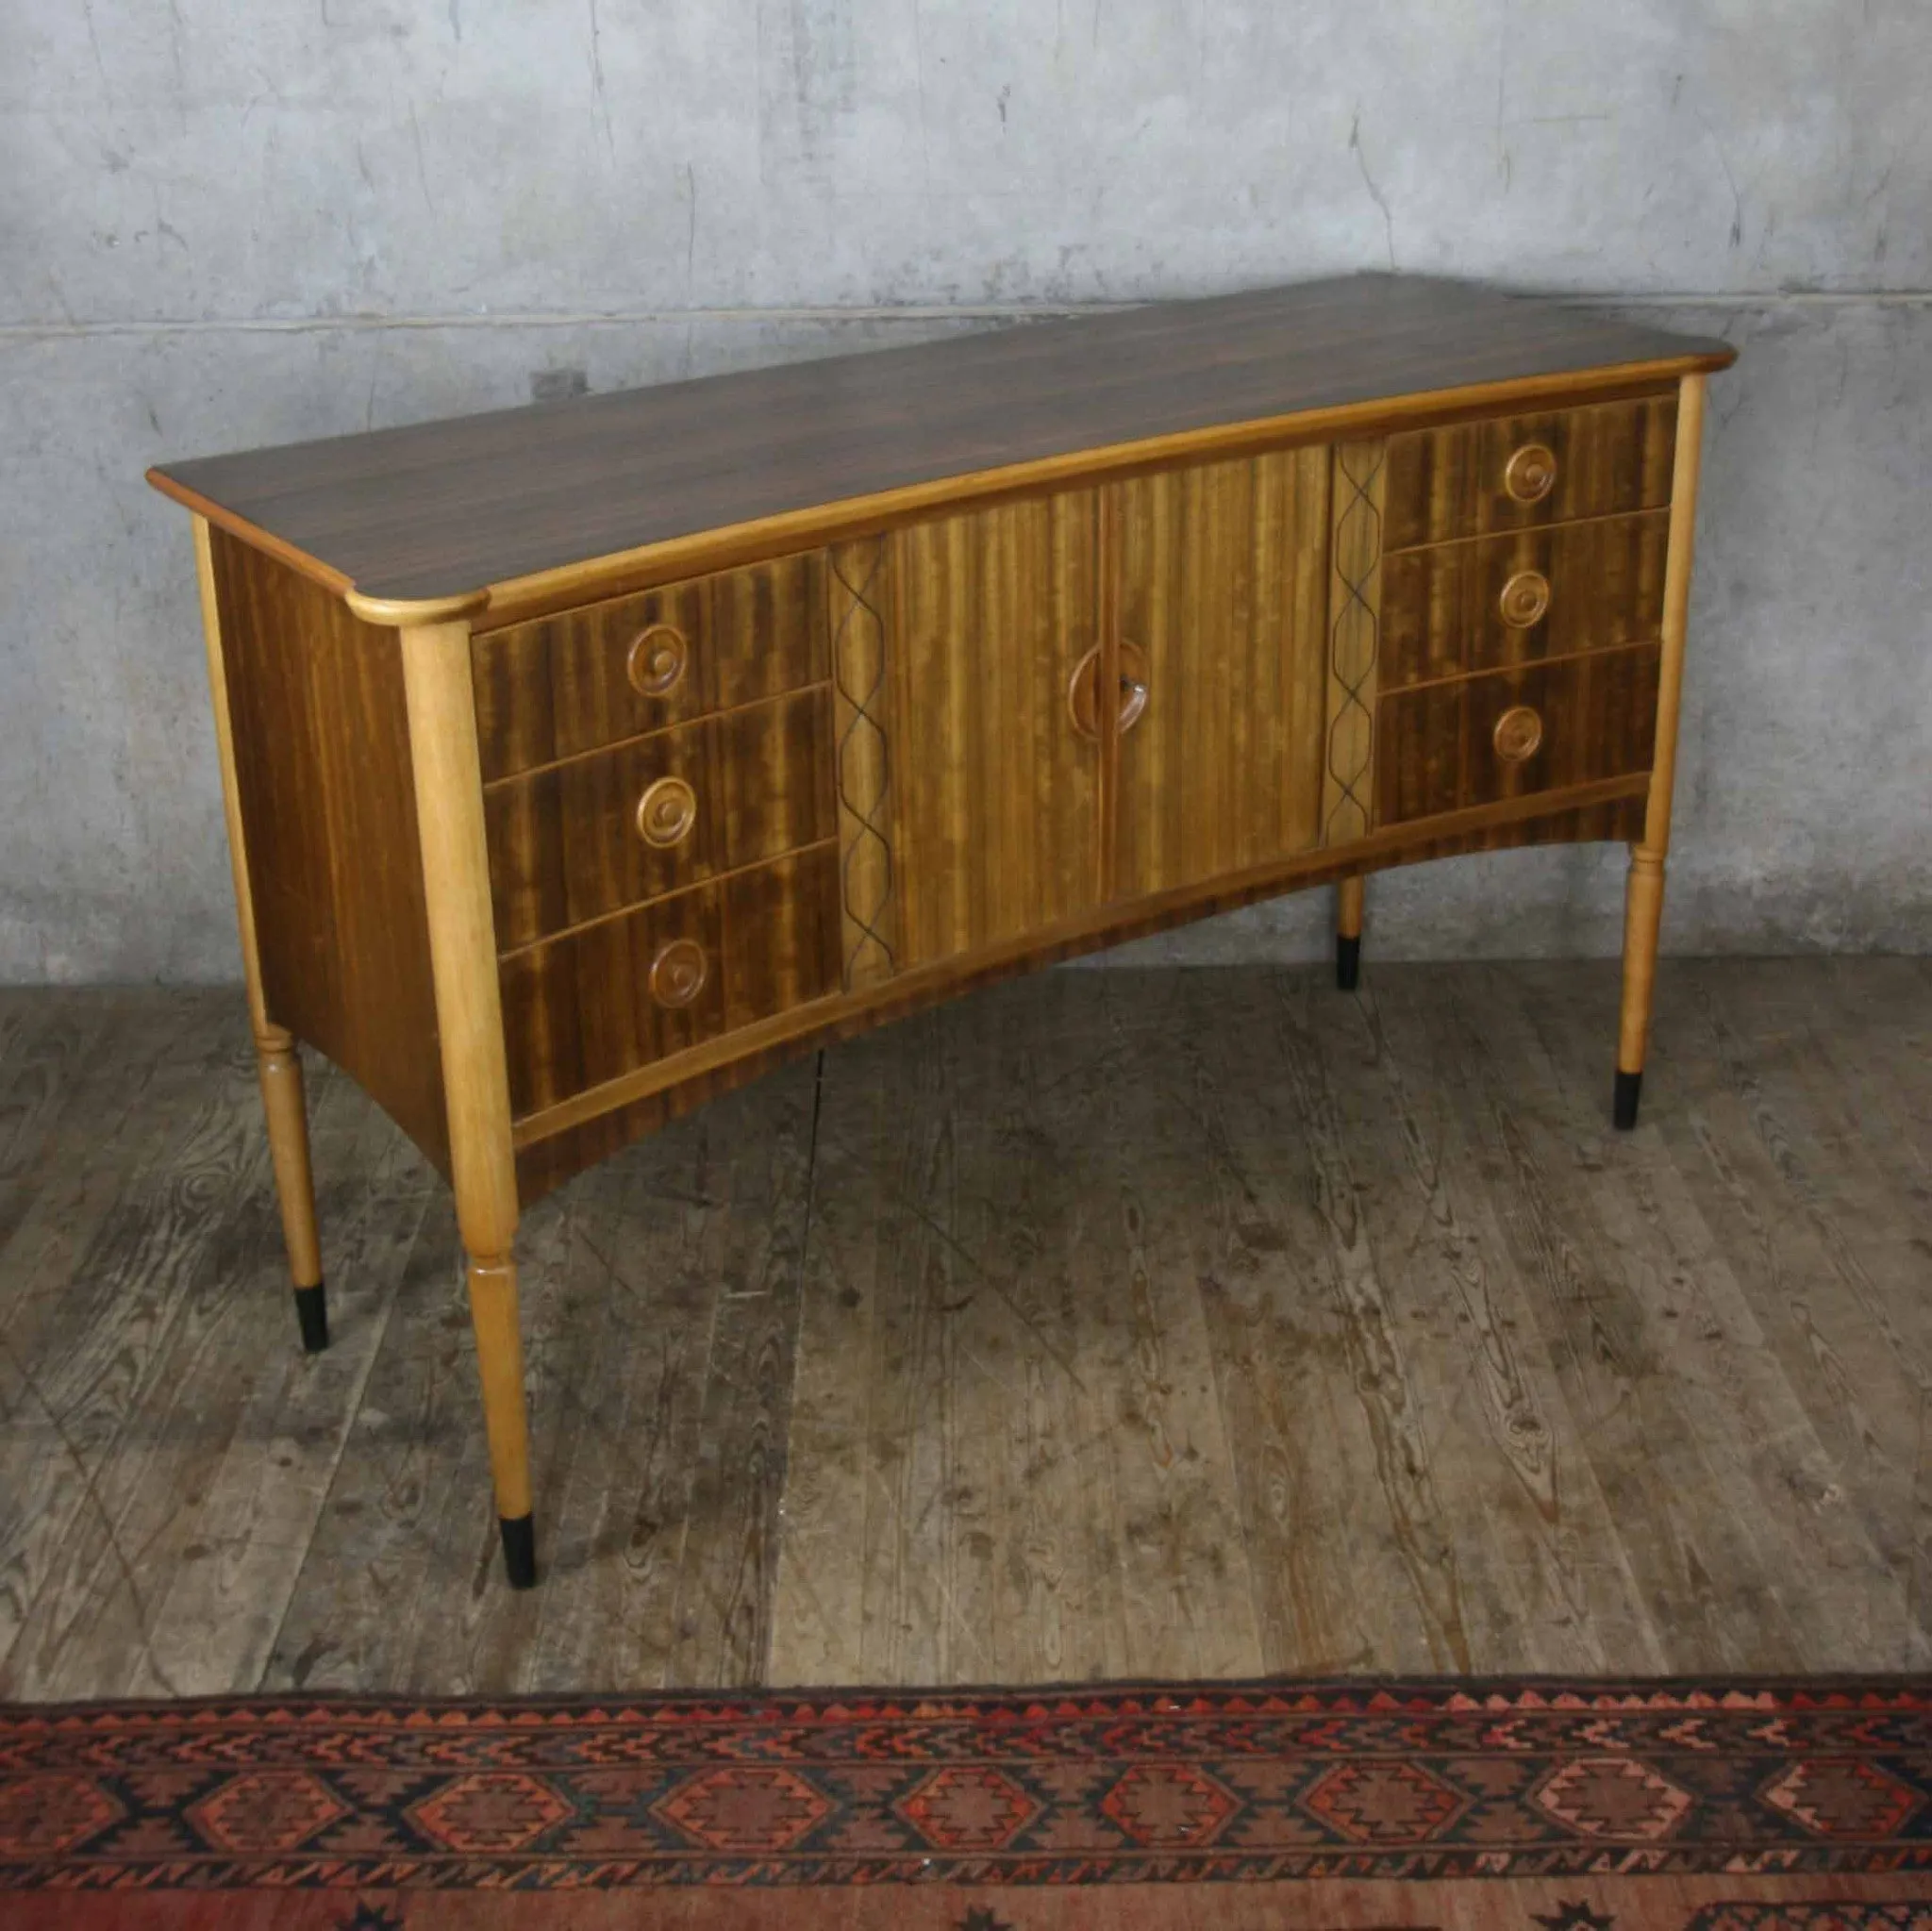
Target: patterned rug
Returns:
[[1583, 1807]]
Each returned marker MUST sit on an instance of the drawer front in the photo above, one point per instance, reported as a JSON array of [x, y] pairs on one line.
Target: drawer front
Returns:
[[774, 766], [581, 838], [1520, 472], [604, 1000], [1503, 600], [1442, 747], [567, 684], [781, 926]]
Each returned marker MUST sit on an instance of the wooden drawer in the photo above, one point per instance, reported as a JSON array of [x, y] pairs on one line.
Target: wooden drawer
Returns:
[[1440, 747], [576, 841], [608, 998], [566, 683], [1480, 604], [1520, 472]]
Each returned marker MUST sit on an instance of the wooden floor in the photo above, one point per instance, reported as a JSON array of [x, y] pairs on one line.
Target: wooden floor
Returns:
[[1106, 1324]]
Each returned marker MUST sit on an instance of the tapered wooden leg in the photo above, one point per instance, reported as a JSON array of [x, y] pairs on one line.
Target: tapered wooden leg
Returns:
[[1348, 932], [462, 961], [1644, 896], [280, 1068], [1644, 911], [500, 1361], [274, 1046]]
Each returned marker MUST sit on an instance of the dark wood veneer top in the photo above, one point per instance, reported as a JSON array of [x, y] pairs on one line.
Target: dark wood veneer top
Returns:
[[444, 508]]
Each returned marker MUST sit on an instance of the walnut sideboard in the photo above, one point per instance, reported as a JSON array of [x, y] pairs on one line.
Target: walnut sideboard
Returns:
[[584, 760]]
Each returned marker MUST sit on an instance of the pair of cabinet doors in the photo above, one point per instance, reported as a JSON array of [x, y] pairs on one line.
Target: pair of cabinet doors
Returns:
[[1020, 796]]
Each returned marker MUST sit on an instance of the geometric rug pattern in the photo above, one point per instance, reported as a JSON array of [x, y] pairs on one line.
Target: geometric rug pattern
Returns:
[[1005, 1792]]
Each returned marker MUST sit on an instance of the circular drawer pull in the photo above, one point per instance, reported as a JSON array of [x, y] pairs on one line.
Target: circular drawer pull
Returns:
[[1532, 472], [666, 812], [1518, 732], [679, 972], [658, 656], [1526, 598]]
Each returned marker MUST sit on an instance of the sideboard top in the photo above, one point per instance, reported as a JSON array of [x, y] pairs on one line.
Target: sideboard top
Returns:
[[447, 508]]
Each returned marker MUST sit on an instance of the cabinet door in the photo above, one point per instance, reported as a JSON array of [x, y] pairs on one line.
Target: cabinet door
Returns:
[[1223, 591], [998, 795]]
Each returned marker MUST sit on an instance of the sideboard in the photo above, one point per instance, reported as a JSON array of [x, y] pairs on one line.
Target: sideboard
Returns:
[[582, 761]]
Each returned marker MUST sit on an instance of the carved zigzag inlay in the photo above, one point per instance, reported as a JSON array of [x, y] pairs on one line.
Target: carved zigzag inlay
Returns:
[[864, 764], [1354, 641]]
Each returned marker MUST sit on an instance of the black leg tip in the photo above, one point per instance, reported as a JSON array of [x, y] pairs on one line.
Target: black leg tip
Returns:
[[1348, 962], [1623, 1109], [311, 1310], [519, 1550]]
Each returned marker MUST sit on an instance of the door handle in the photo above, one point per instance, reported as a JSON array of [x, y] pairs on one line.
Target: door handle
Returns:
[[1083, 701]]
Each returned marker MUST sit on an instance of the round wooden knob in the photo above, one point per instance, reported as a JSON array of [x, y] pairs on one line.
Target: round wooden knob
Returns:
[[1519, 731], [1525, 599], [678, 971], [666, 812], [660, 655], [1531, 474]]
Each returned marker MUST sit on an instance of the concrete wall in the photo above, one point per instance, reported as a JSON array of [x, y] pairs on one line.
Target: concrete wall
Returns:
[[226, 224]]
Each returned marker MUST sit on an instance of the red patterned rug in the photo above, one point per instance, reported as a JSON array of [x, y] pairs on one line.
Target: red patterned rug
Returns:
[[1580, 1806]]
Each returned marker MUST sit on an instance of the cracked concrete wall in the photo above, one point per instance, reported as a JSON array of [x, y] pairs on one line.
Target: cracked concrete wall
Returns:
[[223, 225]]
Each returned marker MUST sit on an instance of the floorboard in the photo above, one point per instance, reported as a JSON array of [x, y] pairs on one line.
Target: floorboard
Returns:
[[1133, 1323]]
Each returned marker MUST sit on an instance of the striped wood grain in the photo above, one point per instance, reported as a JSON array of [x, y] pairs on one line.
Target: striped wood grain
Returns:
[[1223, 587], [1610, 458], [564, 843], [559, 685], [1438, 753], [581, 1009], [998, 796], [1442, 607], [324, 776]]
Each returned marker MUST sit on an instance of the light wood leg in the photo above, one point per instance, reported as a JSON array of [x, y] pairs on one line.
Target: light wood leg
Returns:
[[499, 1362], [1348, 932], [280, 1068], [1643, 912], [476, 1082], [275, 1057], [1644, 896]]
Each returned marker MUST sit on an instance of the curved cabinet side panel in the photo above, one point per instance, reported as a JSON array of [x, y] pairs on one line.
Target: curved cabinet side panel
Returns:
[[322, 765]]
